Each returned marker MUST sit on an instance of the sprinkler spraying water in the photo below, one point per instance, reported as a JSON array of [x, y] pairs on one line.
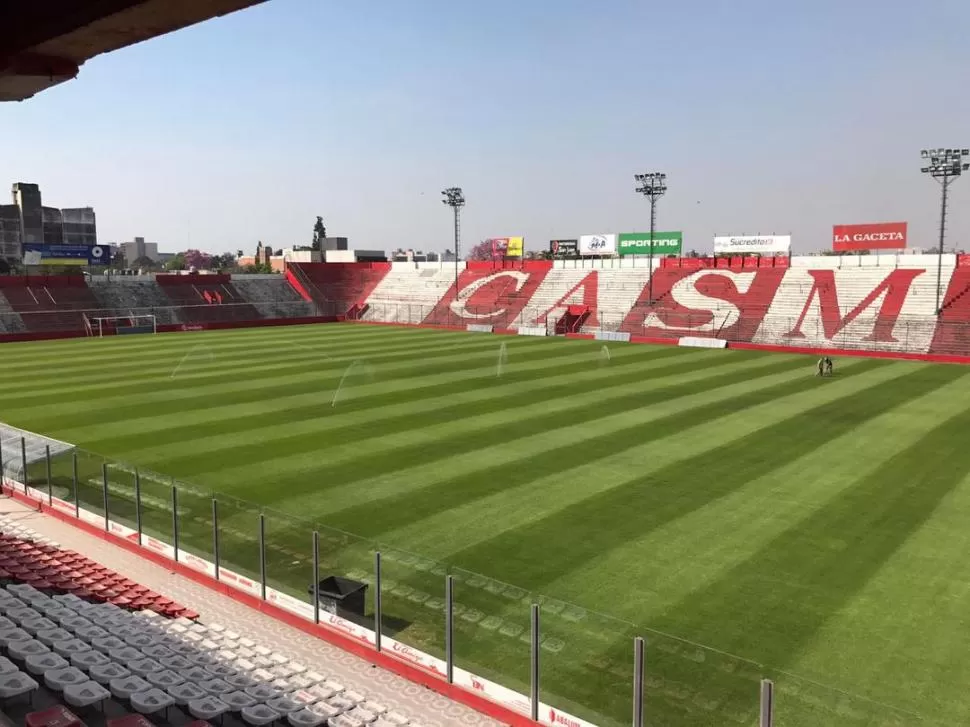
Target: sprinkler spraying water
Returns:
[[191, 353], [605, 357], [503, 360], [358, 370]]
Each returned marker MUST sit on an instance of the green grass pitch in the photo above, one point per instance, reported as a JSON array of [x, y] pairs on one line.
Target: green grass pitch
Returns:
[[746, 517]]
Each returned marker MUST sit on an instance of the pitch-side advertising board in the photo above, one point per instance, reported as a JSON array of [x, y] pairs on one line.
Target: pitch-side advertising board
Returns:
[[872, 236], [739, 244]]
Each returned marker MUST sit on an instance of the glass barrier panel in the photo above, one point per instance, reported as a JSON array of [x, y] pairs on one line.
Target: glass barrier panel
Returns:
[[7, 463], [586, 663], [289, 555], [90, 493], [62, 475], [36, 469], [347, 575], [688, 685], [800, 702], [492, 630], [156, 505], [121, 494], [239, 537], [195, 520], [413, 600]]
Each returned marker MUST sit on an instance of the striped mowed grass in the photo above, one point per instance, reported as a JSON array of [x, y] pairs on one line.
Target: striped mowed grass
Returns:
[[746, 517]]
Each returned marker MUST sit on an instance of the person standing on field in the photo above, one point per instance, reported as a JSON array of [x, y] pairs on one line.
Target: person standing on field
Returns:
[[821, 367]]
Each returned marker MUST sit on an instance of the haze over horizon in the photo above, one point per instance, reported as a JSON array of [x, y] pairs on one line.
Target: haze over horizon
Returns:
[[766, 118]]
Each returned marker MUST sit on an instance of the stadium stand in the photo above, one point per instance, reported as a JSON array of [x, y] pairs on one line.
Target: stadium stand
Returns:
[[59, 304], [340, 289], [206, 298], [877, 303], [120, 296], [273, 297], [408, 293], [865, 303], [10, 320], [73, 657], [49, 303]]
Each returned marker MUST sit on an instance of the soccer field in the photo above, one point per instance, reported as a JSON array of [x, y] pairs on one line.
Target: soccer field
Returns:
[[746, 517]]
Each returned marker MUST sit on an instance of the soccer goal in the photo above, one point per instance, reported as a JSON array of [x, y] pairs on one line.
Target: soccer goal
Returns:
[[120, 325]]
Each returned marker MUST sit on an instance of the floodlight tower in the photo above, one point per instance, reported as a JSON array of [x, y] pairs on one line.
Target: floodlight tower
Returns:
[[455, 199], [944, 165], [651, 185]]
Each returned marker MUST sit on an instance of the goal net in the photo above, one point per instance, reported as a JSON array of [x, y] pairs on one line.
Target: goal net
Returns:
[[120, 325]]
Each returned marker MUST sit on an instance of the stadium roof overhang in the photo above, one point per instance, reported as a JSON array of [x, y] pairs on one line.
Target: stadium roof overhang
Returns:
[[45, 42]]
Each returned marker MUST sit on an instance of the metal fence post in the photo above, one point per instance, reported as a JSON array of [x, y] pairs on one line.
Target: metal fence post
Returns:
[[23, 457], [534, 670], [262, 555], [316, 577], [50, 487], [77, 504], [138, 524], [638, 682], [215, 535], [377, 600], [450, 628], [767, 703], [175, 521], [104, 493]]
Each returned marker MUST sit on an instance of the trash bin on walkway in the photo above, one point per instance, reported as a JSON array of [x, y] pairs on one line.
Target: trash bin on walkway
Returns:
[[343, 597]]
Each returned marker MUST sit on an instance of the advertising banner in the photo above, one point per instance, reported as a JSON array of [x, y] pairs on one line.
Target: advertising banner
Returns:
[[751, 243], [564, 248], [503, 247], [499, 247], [597, 244], [638, 243], [81, 255], [873, 236]]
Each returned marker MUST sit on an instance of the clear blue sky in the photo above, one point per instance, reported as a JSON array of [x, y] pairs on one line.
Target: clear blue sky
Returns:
[[767, 115]]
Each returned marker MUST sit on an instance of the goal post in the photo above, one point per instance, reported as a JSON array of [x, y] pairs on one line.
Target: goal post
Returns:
[[121, 325]]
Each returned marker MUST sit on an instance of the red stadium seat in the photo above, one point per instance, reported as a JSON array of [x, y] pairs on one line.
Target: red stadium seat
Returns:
[[59, 716]]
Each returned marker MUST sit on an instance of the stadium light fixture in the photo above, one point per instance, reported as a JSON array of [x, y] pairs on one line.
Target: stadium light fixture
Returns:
[[455, 198], [944, 165], [652, 185]]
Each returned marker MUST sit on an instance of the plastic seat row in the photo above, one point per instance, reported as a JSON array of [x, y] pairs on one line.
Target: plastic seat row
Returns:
[[51, 569], [93, 652]]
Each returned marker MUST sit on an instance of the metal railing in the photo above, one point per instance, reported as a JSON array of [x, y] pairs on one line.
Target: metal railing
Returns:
[[541, 656]]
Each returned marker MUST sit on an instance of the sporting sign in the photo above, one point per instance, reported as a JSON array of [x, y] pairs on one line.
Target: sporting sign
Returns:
[[638, 243], [80, 255], [597, 244], [564, 248], [737, 244], [872, 236]]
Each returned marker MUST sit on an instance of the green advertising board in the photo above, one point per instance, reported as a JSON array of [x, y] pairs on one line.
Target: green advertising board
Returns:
[[638, 243]]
